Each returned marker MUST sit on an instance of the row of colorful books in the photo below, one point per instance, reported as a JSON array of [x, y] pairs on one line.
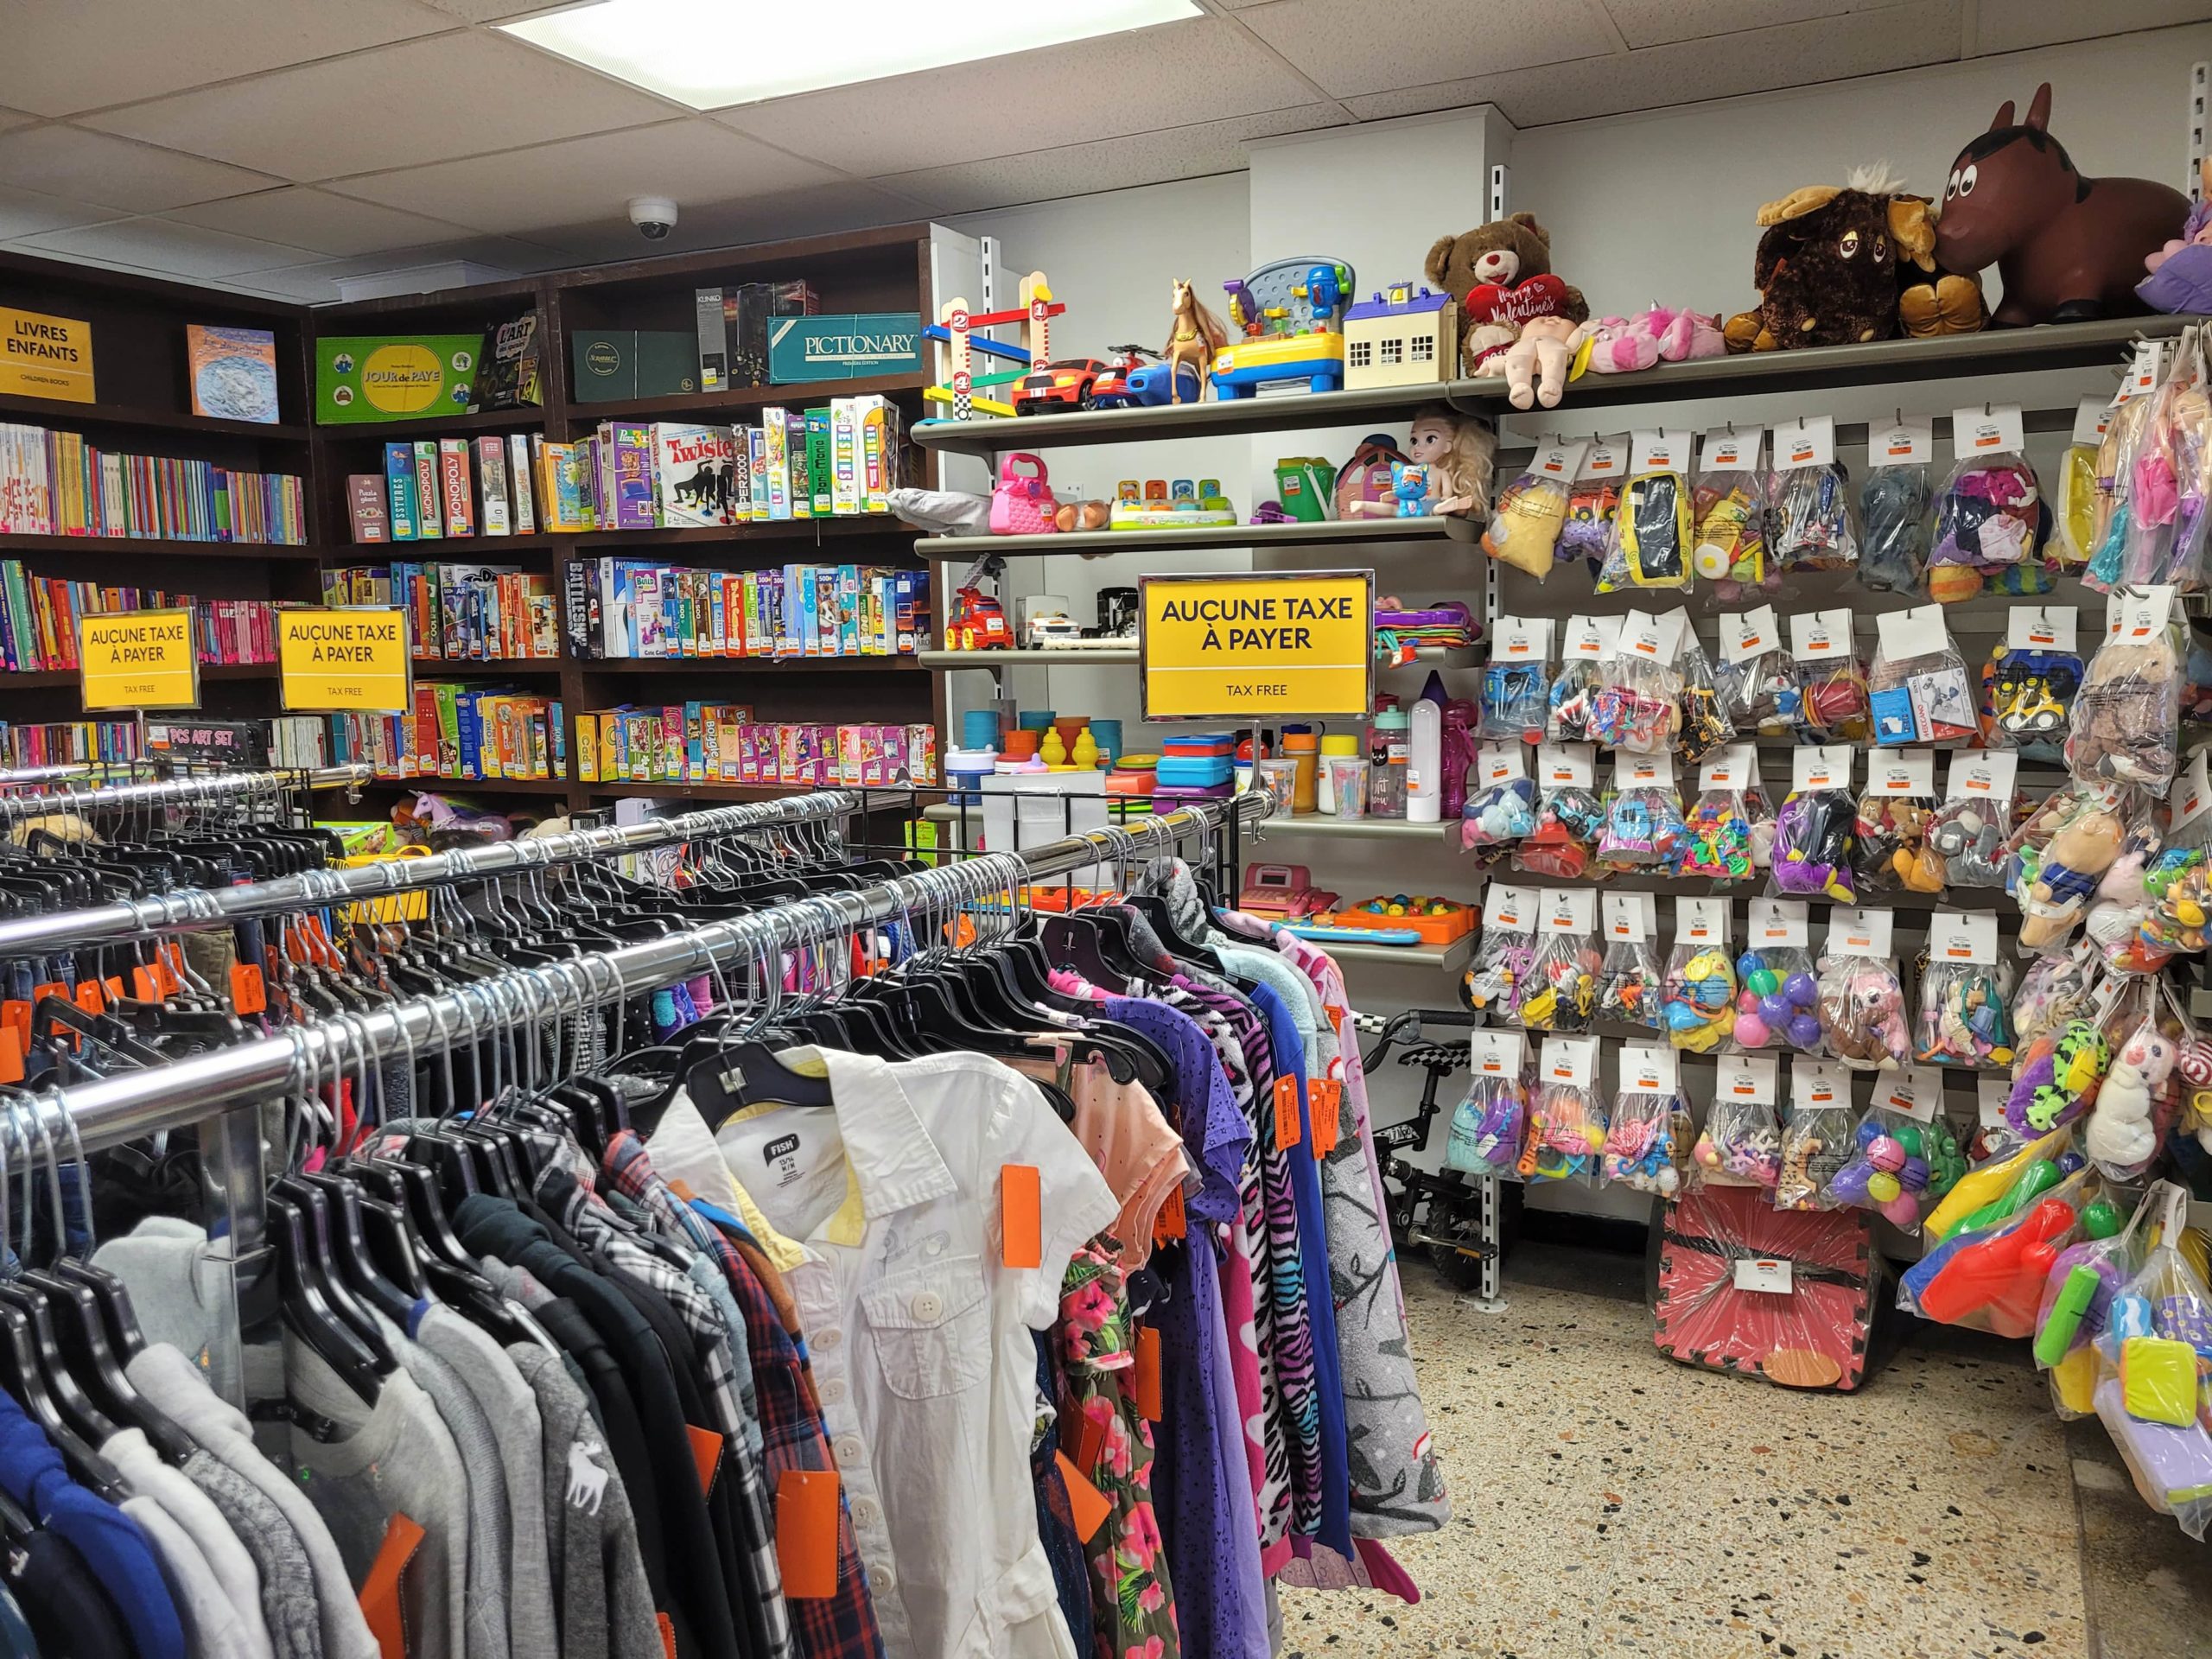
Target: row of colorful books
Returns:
[[54, 483], [634, 608], [38, 619], [456, 732], [69, 742], [720, 743], [457, 612]]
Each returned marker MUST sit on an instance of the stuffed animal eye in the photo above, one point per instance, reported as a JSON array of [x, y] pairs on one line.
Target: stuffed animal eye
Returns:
[[1881, 247], [1850, 245], [1967, 176], [1951, 185]]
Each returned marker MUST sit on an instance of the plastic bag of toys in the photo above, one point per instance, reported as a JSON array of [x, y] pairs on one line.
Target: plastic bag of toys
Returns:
[[1717, 829], [1638, 701], [1502, 805], [1988, 1271], [1499, 964], [1653, 530], [1563, 973], [2056, 1078], [2151, 1359], [1585, 648], [1697, 1000], [1648, 1142], [2078, 1290], [1895, 812], [1517, 686], [1861, 1000], [1757, 680], [1812, 519], [1489, 1127], [2177, 884], [1893, 507], [1705, 725], [1917, 688], [1815, 832], [2169, 458], [2067, 847], [1741, 1142], [1966, 995], [2141, 1093], [1526, 519], [2075, 535], [2115, 487], [1976, 818], [1990, 521], [1887, 1169], [1570, 815], [1728, 512], [2188, 564], [1631, 977], [1831, 683], [1761, 813], [1777, 1001], [2126, 720], [2029, 690], [1643, 825], [1592, 501], [1816, 1139], [1566, 1137], [2055, 989]]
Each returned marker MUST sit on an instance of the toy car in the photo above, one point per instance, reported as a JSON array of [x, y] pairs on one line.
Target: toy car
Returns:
[[1050, 388], [1111, 389]]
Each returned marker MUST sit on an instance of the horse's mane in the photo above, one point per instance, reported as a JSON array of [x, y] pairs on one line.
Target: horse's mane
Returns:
[[1988, 144]]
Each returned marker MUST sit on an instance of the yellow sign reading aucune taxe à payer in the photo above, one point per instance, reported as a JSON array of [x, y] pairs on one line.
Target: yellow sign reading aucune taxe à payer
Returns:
[[137, 659], [1257, 647], [345, 661]]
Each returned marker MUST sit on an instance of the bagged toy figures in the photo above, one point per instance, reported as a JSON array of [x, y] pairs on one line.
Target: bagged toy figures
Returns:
[[1526, 520], [1811, 514], [1654, 533], [1816, 1138], [1893, 508], [2126, 720], [1991, 523], [1741, 1142], [1860, 999]]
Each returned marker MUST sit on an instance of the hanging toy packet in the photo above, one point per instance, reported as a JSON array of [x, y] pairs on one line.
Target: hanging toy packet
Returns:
[[1499, 966], [1705, 722], [1861, 1000], [1570, 814], [2129, 413], [1502, 802], [1917, 688], [2077, 485], [2177, 885], [2126, 720], [2030, 681], [1757, 680], [1815, 833], [1653, 531], [1489, 1125], [1893, 506], [1965, 994], [1991, 523], [1563, 973], [1585, 650], [1517, 686], [1638, 704], [2167, 500], [1566, 1114], [1811, 519], [1648, 1142], [1643, 826], [1717, 829], [1895, 814], [1631, 977], [1593, 501], [1888, 1169], [2067, 849], [1728, 505], [1698, 998], [2149, 1033], [1816, 1138], [1831, 684], [1741, 1143], [1976, 819], [1525, 521], [1778, 1004]]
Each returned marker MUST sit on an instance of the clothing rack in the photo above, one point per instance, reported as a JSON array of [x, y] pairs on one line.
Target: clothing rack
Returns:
[[193, 908], [225, 1085], [180, 791]]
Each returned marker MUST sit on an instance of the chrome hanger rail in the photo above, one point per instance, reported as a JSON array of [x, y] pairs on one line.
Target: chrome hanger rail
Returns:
[[193, 908], [183, 792]]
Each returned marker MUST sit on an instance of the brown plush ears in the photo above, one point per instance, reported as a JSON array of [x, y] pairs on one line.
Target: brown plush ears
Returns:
[[1528, 222], [1798, 203], [1440, 259], [1912, 227]]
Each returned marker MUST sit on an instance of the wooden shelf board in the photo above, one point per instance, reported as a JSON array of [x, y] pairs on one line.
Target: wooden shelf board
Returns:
[[963, 548], [708, 404], [66, 416], [159, 547]]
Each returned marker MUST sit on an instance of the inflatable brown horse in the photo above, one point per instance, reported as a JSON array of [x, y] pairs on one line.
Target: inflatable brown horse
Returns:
[[2069, 248]]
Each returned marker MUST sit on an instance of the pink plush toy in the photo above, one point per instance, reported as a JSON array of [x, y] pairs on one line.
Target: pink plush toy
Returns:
[[1619, 346], [1544, 352], [1624, 345], [1683, 335]]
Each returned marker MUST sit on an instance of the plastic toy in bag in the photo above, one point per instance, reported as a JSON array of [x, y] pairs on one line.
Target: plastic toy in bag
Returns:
[[1968, 835], [1647, 1144], [1814, 837], [1698, 1000], [1499, 966], [1652, 534], [2078, 1292], [1810, 519], [1567, 719], [2153, 1353], [2057, 1080], [2115, 484], [2055, 989], [2127, 718], [1759, 693], [1986, 520], [1516, 702], [1705, 722], [2029, 695], [1644, 827], [1628, 984], [1893, 505], [1729, 540], [1888, 1171], [2054, 885], [1591, 504], [1499, 815], [2077, 507], [1778, 1002], [1525, 523], [1562, 983], [1964, 1019], [1637, 705], [1569, 820], [1862, 1013], [2185, 567], [2168, 449], [1831, 701], [1816, 1142], [2121, 1134], [1565, 1136], [1716, 837], [1740, 1146], [1488, 1128], [1892, 854], [1925, 700]]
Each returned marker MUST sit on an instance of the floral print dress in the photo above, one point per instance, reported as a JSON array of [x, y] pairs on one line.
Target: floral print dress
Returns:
[[1132, 1604]]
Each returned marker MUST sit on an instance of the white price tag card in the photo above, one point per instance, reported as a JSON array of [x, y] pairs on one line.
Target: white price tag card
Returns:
[[2144, 372], [1590, 637], [1510, 909], [1649, 1069], [1643, 772], [1768, 1274], [1569, 1061], [1748, 635], [1988, 430], [1500, 763], [1605, 457], [1818, 634], [1780, 922], [1566, 765], [1654, 638], [1826, 765], [1809, 442], [1907, 772], [1745, 1079], [1964, 936], [1701, 921], [1493, 1053], [1854, 930], [1625, 918], [1521, 639], [1985, 775], [2134, 615], [1914, 1092], [1568, 910], [2042, 627], [1817, 1085], [1560, 458], [1730, 451], [1908, 443], [1732, 767], [1992, 1093], [1916, 633], [2191, 793], [2091, 417], [1655, 451]]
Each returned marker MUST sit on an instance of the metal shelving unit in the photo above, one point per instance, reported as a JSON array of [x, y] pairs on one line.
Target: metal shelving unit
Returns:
[[1330, 533]]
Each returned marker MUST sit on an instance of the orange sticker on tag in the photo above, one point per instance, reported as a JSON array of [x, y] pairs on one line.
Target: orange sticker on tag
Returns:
[[1170, 1223], [380, 1589], [806, 1532], [1324, 1096], [1144, 1383], [89, 998], [247, 993], [1021, 1217], [1088, 1507], [1335, 1017], [706, 1456], [17, 1018], [1288, 1130]]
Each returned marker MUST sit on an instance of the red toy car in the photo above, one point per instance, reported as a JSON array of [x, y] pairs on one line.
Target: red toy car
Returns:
[[1050, 388]]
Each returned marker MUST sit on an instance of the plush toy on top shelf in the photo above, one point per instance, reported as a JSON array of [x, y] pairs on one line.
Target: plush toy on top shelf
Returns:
[[1840, 267], [2180, 272], [1501, 274], [2069, 248]]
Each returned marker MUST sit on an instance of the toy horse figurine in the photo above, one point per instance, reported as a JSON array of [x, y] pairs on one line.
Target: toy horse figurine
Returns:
[[2069, 249], [1195, 336]]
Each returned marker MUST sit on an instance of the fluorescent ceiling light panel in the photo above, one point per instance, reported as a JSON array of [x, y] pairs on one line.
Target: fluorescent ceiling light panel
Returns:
[[712, 53]]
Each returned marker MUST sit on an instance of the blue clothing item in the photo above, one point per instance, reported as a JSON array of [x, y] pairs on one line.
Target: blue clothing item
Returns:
[[1289, 1050], [110, 1542]]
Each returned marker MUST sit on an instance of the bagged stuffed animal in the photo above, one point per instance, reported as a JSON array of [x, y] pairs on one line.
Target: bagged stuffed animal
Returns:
[[1501, 274]]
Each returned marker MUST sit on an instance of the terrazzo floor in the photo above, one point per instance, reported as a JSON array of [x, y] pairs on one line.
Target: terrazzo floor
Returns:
[[1609, 1501]]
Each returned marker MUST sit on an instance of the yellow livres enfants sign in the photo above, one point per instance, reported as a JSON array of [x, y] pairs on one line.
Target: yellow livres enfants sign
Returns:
[[45, 357], [345, 662], [1257, 647], [137, 659]]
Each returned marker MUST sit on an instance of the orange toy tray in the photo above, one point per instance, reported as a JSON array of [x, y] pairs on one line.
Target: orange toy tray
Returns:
[[1433, 930]]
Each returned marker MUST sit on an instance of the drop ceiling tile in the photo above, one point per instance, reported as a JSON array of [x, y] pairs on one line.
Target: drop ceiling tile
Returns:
[[25, 212], [184, 250], [1105, 164], [11, 119], [314, 220], [2020, 23], [64, 57], [314, 284], [105, 171], [693, 160], [492, 11], [458, 94], [1379, 45], [1659, 22], [847, 205], [1757, 61], [1168, 75]]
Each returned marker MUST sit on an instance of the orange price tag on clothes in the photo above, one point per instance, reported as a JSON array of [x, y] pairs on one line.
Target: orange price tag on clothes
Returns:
[[11, 1054], [145, 985], [706, 1456], [50, 987], [111, 987], [88, 997], [1021, 1217], [806, 1532], [1335, 1017], [16, 1016], [1090, 1440], [1144, 1387], [247, 993], [380, 1589], [1288, 1130], [1170, 1223], [172, 982], [1323, 1096], [1088, 1507]]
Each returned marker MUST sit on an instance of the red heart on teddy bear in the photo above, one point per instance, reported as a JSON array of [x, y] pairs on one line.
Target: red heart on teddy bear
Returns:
[[1540, 296]]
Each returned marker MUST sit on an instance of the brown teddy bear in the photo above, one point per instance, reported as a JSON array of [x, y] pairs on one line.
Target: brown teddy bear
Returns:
[[1500, 273], [1839, 267]]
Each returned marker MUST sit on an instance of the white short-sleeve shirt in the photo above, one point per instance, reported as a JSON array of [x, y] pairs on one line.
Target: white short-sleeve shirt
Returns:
[[883, 1212]]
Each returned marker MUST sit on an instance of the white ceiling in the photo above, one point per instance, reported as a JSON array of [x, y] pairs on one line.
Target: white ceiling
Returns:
[[277, 145]]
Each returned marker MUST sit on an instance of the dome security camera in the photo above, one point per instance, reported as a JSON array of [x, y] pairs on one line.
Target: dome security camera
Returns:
[[654, 216]]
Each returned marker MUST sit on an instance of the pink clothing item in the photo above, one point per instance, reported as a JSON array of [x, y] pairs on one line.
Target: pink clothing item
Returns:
[[1244, 1366], [1127, 1137]]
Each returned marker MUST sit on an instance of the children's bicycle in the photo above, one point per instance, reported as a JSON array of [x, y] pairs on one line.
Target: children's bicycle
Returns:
[[1454, 1217]]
